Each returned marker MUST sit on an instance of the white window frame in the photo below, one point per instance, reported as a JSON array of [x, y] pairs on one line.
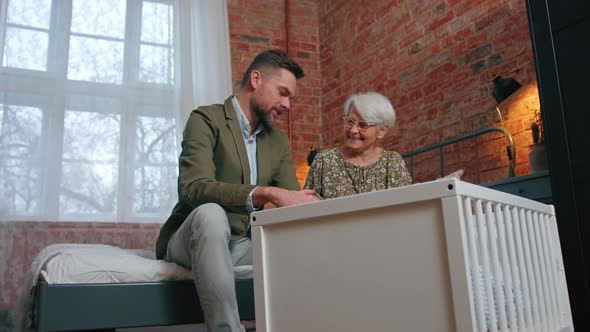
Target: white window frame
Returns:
[[131, 93]]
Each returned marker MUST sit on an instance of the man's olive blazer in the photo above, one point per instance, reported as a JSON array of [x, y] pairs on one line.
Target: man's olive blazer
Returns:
[[214, 168]]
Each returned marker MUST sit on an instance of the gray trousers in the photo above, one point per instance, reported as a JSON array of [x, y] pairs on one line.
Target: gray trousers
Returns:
[[202, 244]]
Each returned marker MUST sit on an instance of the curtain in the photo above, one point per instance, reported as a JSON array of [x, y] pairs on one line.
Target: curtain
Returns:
[[93, 99], [205, 58]]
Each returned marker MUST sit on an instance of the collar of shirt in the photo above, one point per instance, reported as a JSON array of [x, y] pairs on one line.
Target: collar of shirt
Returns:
[[243, 120]]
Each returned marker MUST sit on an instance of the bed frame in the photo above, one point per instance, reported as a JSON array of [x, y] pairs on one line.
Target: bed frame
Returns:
[[105, 307]]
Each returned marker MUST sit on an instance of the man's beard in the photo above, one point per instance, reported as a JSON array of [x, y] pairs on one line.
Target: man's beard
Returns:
[[263, 117]]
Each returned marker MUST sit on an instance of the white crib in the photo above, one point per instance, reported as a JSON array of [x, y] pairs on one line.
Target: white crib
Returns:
[[439, 256]]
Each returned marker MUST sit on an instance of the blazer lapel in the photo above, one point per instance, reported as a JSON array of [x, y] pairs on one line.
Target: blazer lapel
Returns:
[[234, 127]]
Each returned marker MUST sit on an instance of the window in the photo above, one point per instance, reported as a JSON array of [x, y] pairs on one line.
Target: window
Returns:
[[27, 34], [87, 100]]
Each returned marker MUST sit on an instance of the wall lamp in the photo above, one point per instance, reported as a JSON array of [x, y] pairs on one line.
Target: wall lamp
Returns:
[[504, 87]]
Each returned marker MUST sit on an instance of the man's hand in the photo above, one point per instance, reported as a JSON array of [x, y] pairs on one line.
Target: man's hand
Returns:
[[282, 197]]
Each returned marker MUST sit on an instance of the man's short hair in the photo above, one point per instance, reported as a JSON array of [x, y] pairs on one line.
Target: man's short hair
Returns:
[[273, 59]]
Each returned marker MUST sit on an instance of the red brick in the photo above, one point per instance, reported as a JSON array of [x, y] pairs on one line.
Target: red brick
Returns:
[[443, 70], [440, 21]]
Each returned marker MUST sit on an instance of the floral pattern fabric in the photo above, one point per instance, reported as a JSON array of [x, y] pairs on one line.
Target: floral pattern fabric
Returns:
[[331, 176]]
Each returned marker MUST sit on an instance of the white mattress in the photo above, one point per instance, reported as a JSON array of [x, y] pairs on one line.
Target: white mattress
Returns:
[[107, 264], [91, 263]]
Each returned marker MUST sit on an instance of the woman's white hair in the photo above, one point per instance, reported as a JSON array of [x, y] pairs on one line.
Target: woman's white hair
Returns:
[[373, 107]]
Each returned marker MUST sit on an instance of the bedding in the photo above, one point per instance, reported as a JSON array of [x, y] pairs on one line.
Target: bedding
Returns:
[[83, 263]]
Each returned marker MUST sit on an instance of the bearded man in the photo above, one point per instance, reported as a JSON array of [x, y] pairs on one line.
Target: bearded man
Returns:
[[232, 163]]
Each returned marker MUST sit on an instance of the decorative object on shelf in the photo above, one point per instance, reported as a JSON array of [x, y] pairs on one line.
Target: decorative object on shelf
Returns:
[[537, 127], [538, 154]]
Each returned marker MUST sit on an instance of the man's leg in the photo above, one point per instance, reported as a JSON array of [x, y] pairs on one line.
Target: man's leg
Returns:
[[202, 244], [241, 251]]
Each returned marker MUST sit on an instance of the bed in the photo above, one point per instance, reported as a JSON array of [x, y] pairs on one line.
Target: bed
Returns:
[[76, 287], [441, 256]]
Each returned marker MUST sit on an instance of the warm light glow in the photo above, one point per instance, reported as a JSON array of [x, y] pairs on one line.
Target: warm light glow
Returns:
[[518, 112], [301, 170]]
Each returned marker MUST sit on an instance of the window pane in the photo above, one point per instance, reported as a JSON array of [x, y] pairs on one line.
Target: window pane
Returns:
[[99, 17], [155, 190], [91, 136], [95, 60], [33, 13], [156, 172], [90, 163], [91, 191], [156, 140], [156, 64], [156, 23], [20, 134], [26, 49]]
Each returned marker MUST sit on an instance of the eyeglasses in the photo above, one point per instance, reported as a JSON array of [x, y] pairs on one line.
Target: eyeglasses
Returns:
[[361, 125]]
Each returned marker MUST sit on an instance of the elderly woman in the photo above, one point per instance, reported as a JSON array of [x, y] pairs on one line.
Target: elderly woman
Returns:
[[360, 164]]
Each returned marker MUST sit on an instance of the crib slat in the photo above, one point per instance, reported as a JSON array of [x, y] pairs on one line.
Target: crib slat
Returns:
[[474, 260], [516, 282], [482, 229], [464, 206], [531, 265], [500, 302], [507, 291], [518, 221], [545, 305]]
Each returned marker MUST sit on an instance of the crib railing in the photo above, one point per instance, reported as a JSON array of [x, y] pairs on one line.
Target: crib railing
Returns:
[[510, 150], [514, 261]]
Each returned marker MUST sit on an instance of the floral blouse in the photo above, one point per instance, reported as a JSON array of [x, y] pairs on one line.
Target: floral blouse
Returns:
[[331, 176]]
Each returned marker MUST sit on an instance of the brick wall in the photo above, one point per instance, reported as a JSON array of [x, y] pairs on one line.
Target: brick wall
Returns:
[[431, 58], [293, 27]]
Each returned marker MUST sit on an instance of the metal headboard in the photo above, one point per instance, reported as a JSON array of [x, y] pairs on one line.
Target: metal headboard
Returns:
[[510, 149]]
